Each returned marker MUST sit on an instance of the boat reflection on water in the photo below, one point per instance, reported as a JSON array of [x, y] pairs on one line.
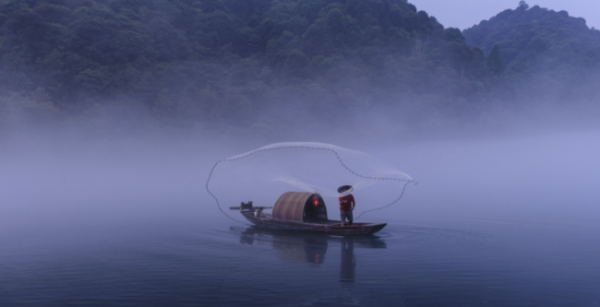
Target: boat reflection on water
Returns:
[[312, 248], [348, 264]]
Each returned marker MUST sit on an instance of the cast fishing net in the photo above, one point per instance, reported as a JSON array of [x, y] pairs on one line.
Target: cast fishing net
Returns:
[[263, 174]]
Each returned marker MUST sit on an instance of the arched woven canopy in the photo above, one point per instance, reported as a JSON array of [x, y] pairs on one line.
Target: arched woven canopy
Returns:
[[291, 206]]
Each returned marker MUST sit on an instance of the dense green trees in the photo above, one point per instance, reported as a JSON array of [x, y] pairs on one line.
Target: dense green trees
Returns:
[[541, 54], [251, 61], [224, 58], [495, 62], [531, 39]]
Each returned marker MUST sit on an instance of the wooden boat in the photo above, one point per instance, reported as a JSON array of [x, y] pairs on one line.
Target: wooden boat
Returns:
[[303, 212]]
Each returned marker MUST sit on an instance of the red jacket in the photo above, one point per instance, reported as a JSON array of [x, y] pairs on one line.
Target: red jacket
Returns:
[[346, 202]]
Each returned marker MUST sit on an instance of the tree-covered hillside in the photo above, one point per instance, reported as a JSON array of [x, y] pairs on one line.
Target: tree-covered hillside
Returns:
[[544, 56], [261, 63], [211, 59], [534, 39]]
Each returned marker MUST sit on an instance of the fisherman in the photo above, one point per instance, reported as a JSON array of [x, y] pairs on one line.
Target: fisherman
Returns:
[[346, 204]]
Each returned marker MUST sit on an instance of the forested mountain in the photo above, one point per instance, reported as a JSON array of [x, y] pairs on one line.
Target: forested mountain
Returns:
[[533, 38], [257, 63], [543, 55], [211, 59]]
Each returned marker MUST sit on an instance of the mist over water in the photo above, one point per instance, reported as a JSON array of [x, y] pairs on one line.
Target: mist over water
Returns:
[[94, 222], [114, 113]]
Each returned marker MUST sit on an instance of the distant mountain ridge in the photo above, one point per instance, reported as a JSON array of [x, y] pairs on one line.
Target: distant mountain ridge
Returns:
[[211, 59], [536, 38], [260, 63]]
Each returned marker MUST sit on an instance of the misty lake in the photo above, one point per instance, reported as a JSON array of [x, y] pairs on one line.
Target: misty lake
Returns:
[[509, 222]]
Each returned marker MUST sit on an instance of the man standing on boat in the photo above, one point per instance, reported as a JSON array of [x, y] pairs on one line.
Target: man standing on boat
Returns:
[[346, 204]]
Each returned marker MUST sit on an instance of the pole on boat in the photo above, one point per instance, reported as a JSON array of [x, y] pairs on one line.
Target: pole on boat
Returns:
[[244, 207]]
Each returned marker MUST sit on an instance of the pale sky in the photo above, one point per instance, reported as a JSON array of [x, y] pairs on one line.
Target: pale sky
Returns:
[[463, 14]]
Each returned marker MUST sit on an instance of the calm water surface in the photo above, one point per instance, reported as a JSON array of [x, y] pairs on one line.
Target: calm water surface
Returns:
[[497, 223], [209, 261]]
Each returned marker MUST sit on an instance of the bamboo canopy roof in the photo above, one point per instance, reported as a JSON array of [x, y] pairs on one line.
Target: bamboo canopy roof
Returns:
[[299, 206]]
